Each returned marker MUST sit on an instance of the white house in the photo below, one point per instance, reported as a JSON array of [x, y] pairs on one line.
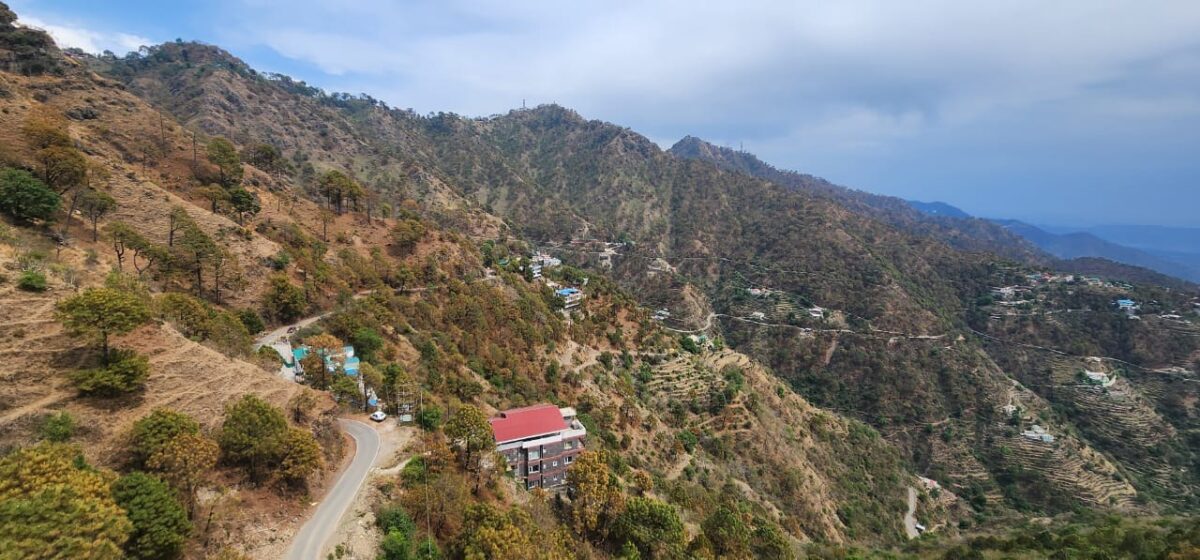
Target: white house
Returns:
[[1037, 433]]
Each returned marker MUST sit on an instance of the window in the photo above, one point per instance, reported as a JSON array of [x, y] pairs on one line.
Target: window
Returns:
[[535, 454], [567, 446], [534, 468], [554, 464], [570, 459]]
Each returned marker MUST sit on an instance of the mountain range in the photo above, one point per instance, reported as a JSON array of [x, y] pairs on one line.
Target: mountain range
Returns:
[[767, 364]]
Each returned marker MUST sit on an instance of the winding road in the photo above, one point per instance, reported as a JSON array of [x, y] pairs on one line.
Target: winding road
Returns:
[[313, 538]]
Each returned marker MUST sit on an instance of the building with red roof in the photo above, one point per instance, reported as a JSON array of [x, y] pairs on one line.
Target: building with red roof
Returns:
[[539, 442]]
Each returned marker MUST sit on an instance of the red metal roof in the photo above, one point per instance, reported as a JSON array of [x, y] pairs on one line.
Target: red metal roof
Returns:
[[521, 423]]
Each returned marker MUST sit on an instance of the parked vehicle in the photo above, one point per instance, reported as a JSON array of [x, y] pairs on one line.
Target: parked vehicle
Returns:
[[379, 416]]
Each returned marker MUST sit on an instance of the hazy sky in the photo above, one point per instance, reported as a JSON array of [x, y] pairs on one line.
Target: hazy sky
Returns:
[[1068, 112]]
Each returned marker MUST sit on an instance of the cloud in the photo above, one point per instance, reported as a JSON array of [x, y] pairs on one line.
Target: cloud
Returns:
[[940, 97], [68, 36]]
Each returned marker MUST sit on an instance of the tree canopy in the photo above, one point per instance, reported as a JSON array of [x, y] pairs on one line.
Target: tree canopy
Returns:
[[26, 198], [52, 505], [223, 155], [100, 312], [153, 431], [160, 525]]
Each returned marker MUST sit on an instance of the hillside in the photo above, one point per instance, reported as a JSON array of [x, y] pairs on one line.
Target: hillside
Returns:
[[820, 348], [946, 223], [696, 236], [469, 336]]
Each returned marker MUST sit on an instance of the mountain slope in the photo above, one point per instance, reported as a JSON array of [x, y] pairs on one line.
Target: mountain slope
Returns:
[[966, 233], [892, 346]]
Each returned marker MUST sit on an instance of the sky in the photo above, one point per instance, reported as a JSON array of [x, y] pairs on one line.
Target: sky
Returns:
[[1073, 112]]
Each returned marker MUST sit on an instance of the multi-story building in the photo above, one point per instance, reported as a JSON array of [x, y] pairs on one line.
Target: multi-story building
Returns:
[[539, 442], [570, 297]]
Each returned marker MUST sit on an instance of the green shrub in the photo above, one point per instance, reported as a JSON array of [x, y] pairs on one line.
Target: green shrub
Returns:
[[429, 419], [125, 373], [32, 281], [394, 518], [58, 427]]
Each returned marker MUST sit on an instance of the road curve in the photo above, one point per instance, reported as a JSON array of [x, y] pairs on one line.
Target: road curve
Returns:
[[314, 536]]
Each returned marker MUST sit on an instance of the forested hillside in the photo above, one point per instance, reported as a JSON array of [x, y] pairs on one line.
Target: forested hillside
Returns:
[[765, 363], [891, 347]]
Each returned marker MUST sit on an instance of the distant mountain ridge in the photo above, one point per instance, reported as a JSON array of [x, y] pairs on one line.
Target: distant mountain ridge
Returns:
[[936, 208], [1080, 244], [952, 226], [1008, 238]]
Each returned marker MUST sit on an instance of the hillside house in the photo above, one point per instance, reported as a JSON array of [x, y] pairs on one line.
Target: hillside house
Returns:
[[1004, 292], [661, 314], [1037, 433], [539, 442], [1098, 378], [571, 297], [543, 260], [816, 312], [1127, 305], [758, 316]]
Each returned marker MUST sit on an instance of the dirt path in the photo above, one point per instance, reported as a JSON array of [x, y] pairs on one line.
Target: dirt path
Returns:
[[910, 517], [56, 394]]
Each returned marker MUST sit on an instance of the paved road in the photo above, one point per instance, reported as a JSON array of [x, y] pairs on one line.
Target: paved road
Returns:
[[910, 518], [313, 538], [277, 335]]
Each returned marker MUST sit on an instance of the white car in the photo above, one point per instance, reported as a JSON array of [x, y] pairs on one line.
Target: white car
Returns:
[[379, 416]]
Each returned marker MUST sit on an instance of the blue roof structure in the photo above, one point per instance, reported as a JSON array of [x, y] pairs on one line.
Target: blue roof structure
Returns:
[[299, 354], [348, 362], [567, 291], [1125, 302]]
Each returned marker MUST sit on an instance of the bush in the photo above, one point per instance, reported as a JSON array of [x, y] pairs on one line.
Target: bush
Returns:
[[32, 281], [254, 323], [688, 440], [26, 198], [414, 472], [395, 546], [126, 372], [394, 518], [58, 427], [430, 419]]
